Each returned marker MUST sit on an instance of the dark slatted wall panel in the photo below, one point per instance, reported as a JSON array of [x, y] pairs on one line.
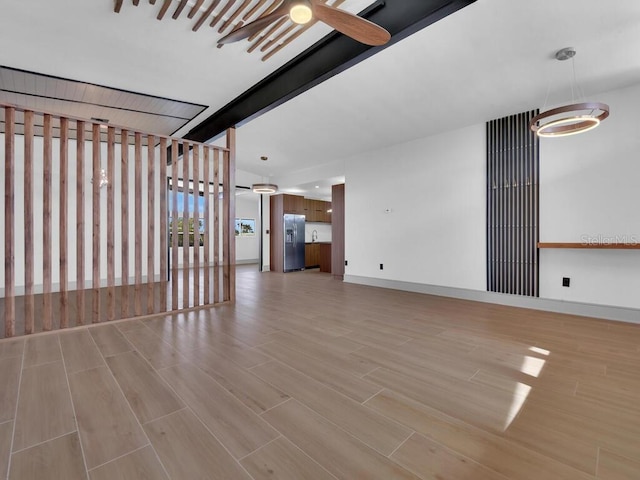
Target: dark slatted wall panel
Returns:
[[513, 172]]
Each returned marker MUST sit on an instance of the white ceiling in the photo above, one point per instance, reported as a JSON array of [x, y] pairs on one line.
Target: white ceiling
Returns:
[[488, 60]]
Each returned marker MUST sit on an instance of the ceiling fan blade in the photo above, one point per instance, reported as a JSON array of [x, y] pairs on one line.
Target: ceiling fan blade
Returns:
[[254, 27], [351, 25]]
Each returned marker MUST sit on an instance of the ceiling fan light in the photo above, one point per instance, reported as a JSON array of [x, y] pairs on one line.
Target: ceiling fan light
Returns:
[[264, 188], [300, 13]]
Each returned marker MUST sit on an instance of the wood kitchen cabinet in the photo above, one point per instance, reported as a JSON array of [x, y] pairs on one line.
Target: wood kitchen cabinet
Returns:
[[311, 255], [325, 257], [293, 204], [313, 210]]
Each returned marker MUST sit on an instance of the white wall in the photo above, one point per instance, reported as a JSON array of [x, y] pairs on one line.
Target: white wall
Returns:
[[434, 192], [589, 188], [435, 234], [248, 248], [72, 233]]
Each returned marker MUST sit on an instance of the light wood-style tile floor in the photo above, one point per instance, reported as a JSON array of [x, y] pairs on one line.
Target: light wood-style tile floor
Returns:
[[309, 378]]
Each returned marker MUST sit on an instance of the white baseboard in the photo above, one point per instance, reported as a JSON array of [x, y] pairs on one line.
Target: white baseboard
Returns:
[[247, 261], [608, 312]]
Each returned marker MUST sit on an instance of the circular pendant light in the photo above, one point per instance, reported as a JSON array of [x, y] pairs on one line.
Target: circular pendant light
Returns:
[[569, 119], [264, 188]]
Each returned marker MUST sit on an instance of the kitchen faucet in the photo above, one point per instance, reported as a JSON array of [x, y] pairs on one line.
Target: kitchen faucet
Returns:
[[314, 236]]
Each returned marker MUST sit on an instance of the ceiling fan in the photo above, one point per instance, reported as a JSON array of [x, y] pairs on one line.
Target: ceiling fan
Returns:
[[303, 11]]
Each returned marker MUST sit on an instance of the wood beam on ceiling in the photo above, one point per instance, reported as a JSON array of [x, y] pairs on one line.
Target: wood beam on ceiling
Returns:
[[333, 54]]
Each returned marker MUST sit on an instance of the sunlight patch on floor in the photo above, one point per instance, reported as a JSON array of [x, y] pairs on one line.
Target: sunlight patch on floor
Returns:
[[530, 366]]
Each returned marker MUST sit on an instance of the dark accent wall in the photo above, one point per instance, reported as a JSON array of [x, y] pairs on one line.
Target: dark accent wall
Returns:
[[513, 172]]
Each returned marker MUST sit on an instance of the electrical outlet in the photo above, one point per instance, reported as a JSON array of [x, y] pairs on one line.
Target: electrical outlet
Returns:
[[566, 282], [381, 267]]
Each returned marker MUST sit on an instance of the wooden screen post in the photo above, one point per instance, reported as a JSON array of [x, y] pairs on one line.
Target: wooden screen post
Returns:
[[29, 304], [124, 217], [47, 310], [95, 205], [151, 227], [185, 226], [229, 200], [196, 225], [9, 223], [174, 225], [207, 232], [163, 225], [137, 294], [216, 226], [64, 205], [80, 270], [111, 263]]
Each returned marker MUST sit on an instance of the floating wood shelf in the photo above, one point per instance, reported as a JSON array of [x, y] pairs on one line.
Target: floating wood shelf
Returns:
[[609, 246]]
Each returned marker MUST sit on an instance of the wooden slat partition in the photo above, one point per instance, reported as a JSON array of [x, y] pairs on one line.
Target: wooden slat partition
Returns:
[[196, 226], [216, 226], [47, 308], [137, 292], [207, 225], [206, 166], [229, 181], [164, 219], [151, 226], [80, 250], [95, 206], [124, 209], [29, 301], [111, 265], [185, 226], [174, 226], [64, 205], [9, 223]]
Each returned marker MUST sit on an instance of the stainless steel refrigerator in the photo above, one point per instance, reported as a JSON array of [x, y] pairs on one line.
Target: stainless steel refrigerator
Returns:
[[293, 242]]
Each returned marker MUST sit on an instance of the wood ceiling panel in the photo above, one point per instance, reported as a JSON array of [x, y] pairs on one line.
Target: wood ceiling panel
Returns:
[[69, 97]]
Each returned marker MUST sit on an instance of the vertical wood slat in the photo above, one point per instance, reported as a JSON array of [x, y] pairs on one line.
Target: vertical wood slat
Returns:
[[207, 225], [185, 226], [164, 218], [29, 304], [174, 225], [80, 242], [226, 220], [137, 293], [9, 223], [196, 226], [111, 270], [95, 205], [124, 217], [151, 228], [64, 205], [47, 310], [230, 187], [216, 226]]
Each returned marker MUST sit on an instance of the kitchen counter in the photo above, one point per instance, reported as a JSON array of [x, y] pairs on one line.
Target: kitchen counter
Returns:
[[318, 254]]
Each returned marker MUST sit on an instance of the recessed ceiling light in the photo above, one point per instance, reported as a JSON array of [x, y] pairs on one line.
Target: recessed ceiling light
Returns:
[[317, 186]]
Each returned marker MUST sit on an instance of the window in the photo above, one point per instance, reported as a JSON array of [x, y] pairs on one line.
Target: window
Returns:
[[190, 221]]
